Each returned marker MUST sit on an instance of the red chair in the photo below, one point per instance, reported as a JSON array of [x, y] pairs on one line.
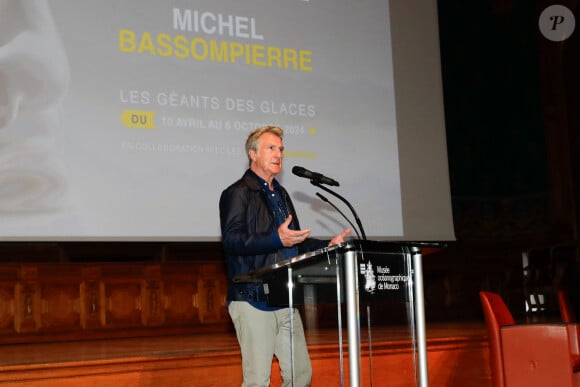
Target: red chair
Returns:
[[527, 355], [569, 317], [566, 310]]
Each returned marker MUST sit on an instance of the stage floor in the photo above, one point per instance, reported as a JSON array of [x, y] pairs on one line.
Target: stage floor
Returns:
[[155, 347]]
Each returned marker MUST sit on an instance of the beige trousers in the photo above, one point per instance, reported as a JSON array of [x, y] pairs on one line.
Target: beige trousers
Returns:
[[265, 334]]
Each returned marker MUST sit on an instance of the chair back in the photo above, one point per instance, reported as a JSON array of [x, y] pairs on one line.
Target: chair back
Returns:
[[566, 310], [568, 316], [496, 315]]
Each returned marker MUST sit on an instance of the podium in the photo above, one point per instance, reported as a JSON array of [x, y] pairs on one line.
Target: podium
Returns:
[[352, 274]]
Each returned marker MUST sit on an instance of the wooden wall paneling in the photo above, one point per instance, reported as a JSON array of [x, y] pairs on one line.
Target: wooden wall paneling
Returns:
[[122, 290], [27, 316], [92, 302], [181, 294], [153, 313], [60, 297], [55, 301], [8, 281], [213, 294]]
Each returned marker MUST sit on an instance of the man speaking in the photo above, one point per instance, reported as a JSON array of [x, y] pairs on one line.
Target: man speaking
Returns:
[[259, 227]]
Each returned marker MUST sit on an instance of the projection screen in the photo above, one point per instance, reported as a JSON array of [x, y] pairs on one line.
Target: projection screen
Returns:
[[124, 120]]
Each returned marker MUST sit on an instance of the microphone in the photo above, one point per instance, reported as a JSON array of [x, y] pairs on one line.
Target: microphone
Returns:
[[314, 176]]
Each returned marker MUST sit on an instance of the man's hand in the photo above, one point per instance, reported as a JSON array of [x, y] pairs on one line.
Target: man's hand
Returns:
[[290, 237], [339, 238]]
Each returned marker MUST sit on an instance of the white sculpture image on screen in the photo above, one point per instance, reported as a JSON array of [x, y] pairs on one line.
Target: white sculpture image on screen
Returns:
[[34, 76]]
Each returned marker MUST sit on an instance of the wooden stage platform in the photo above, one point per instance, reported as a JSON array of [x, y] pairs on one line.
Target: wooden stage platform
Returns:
[[457, 356]]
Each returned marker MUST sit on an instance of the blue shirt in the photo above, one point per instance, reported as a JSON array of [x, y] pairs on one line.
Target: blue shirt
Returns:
[[280, 209]]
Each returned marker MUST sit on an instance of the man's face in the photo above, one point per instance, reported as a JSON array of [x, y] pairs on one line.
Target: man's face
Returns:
[[267, 160]]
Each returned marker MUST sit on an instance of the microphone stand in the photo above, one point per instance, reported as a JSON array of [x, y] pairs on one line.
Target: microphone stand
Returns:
[[339, 211], [358, 222]]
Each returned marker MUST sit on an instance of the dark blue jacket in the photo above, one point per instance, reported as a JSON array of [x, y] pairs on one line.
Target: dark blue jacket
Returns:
[[249, 234]]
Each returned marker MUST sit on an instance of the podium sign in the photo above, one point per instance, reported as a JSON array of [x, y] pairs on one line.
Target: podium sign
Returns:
[[380, 277], [370, 282]]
